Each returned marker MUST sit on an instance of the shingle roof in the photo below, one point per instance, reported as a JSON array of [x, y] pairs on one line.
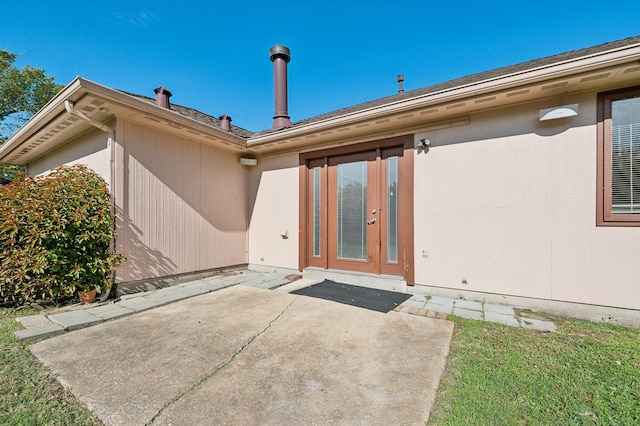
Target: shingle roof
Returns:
[[458, 82], [470, 79], [196, 115]]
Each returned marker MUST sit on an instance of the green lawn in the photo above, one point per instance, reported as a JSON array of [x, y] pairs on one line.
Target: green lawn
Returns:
[[583, 374], [29, 395]]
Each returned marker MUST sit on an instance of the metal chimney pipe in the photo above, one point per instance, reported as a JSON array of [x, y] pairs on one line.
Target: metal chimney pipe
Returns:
[[280, 56], [162, 97], [225, 122], [400, 83]]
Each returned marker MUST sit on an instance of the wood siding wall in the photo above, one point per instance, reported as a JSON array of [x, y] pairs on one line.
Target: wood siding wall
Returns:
[[89, 149], [508, 205], [181, 205]]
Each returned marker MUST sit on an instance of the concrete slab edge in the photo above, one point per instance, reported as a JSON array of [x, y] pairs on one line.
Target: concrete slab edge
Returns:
[[173, 280], [39, 332], [56, 327], [596, 313]]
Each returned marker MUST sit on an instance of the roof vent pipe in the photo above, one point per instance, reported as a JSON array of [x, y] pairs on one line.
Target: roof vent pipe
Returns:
[[225, 122], [162, 97], [400, 83], [280, 56]]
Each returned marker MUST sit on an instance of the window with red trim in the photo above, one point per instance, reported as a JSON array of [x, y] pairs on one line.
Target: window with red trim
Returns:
[[619, 157]]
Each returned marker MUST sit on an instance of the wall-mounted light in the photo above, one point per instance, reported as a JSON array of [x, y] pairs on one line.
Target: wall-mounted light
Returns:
[[424, 143], [248, 161], [563, 111]]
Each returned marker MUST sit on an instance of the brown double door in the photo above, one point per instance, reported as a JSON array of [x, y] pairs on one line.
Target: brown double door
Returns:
[[357, 212]]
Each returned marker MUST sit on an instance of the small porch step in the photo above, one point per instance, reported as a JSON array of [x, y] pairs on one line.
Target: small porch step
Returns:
[[381, 282]]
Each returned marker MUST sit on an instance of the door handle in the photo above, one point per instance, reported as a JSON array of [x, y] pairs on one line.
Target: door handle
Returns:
[[371, 222]]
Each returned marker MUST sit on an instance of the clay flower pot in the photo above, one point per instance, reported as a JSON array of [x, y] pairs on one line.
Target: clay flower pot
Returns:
[[87, 297]]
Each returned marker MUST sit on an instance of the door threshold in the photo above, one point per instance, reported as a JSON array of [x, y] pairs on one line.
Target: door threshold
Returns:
[[380, 282]]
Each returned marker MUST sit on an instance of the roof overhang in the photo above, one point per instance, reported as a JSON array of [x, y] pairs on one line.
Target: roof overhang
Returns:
[[53, 126], [445, 108], [448, 107]]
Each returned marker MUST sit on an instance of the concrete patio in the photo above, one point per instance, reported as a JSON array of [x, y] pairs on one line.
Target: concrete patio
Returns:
[[243, 355]]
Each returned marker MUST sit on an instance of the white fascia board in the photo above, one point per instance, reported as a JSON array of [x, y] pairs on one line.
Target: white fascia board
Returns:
[[529, 76]]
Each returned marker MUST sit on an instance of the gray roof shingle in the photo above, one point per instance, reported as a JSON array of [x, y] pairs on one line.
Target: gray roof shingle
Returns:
[[196, 115], [458, 82], [470, 79]]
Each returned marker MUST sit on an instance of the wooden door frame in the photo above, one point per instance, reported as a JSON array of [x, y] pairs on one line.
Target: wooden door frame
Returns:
[[404, 198], [367, 266], [406, 214]]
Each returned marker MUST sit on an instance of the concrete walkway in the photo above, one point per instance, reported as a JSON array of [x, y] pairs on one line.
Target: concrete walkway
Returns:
[[440, 307], [80, 316]]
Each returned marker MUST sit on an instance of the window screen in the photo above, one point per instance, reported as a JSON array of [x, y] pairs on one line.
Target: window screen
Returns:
[[625, 156]]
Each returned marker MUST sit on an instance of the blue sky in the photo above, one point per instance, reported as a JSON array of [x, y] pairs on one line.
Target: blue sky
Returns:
[[214, 56]]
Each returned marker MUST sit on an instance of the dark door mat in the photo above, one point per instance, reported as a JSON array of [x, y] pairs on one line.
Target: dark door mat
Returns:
[[362, 297]]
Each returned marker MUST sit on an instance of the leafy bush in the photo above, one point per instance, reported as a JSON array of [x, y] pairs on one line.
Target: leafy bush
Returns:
[[55, 236]]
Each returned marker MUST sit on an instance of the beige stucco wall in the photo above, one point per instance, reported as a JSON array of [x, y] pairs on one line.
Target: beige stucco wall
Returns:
[[273, 212], [89, 149], [181, 204], [508, 204]]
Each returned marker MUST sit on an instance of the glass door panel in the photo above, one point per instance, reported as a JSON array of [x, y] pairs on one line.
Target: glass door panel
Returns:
[[351, 221], [316, 220], [392, 210], [394, 203], [352, 196], [317, 214]]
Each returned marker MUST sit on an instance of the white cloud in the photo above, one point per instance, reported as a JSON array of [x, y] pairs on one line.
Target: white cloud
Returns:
[[141, 18]]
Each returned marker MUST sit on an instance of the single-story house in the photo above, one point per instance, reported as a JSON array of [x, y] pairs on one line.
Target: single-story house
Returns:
[[517, 185]]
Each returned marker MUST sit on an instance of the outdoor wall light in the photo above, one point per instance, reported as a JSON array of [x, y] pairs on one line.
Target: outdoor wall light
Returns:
[[248, 161], [563, 111], [424, 143]]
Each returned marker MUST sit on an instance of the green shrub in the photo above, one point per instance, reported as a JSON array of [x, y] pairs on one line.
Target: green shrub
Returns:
[[55, 236]]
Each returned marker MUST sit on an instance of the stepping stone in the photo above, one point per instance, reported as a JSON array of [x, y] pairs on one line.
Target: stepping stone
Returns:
[[534, 324], [139, 304], [73, 320], [468, 313], [442, 301], [30, 321], [498, 309], [110, 311], [414, 302], [447, 309], [468, 304], [501, 318], [39, 332]]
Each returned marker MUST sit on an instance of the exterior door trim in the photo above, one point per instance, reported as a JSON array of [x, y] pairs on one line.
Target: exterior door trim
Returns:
[[406, 213]]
